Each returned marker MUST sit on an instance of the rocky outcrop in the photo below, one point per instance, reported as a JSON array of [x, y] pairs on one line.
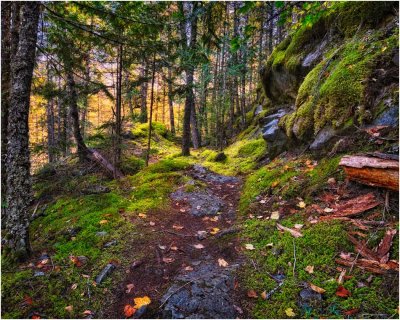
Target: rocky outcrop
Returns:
[[338, 74]]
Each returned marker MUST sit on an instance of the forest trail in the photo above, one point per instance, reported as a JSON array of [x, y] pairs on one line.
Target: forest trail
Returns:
[[190, 254]]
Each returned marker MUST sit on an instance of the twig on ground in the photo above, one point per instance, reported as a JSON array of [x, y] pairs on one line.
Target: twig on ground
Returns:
[[270, 293]]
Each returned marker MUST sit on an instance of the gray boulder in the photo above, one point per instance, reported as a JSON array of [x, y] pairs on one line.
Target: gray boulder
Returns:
[[323, 136]]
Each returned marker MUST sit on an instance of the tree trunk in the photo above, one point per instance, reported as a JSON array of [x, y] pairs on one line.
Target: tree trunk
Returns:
[[143, 94], [151, 110], [118, 118], [18, 165], [171, 102], [5, 92], [74, 115]]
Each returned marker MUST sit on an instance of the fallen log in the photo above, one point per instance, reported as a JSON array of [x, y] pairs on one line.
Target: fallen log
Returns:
[[95, 156], [370, 265], [372, 171]]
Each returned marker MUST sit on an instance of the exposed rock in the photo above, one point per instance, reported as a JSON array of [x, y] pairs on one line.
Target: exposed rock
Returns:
[[276, 138], [39, 274], [279, 114], [104, 273], [201, 173], [201, 203], [315, 55], [201, 235], [308, 295], [220, 157], [323, 136], [207, 295], [96, 189], [389, 117], [258, 110]]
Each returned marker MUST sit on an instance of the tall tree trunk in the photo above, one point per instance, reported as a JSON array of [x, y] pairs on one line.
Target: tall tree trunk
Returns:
[[171, 101], [189, 70], [5, 92], [19, 194], [118, 118], [74, 115], [151, 110], [143, 94]]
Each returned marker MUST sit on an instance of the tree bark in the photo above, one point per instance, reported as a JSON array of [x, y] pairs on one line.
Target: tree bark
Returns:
[[118, 118], [143, 94], [171, 102], [74, 115], [5, 92], [18, 165], [151, 110]]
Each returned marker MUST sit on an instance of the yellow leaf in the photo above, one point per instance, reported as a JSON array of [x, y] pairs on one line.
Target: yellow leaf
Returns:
[[142, 215], [214, 230], [275, 215], [69, 308], [141, 301], [103, 221], [301, 204], [274, 184], [316, 289], [309, 269], [289, 312], [222, 263], [249, 246], [264, 295]]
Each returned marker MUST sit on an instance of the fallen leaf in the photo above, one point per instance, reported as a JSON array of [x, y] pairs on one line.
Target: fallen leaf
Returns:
[[162, 247], [141, 301], [198, 207], [103, 221], [177, 227], [142, 215], [301, 204], [262, 201], [28, 300], [331, 180], [198, 246], [294, 233], [214, 230], [345, 256], [275, 215], [167, 260], [129, 311], [74, 286], [87, 312], [274, 184], [342, 292], [174, 248], [238, 309], [264, 295], [298, 226], [252, 294], [214, 219], [222, 263], [328, 210], [129, 287], [309, 269], [341, 276], [289, 312], [152, 223], [36, 316], [269, 245], [316, 289], [351, 312], [249, 246], [182, 210], [69, 308], [188, 268]]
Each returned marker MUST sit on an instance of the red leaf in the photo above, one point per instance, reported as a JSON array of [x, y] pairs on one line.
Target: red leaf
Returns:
[[351, 312], [129, 310], [252, 294], [342, 292], [28, 299]]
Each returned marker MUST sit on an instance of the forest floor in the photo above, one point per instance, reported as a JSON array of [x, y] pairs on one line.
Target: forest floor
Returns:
[[188, 264], [194, 237]]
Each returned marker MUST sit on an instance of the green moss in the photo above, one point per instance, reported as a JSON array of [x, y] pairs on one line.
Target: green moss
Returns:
[[241, 157], [132, 165], [141, 130]]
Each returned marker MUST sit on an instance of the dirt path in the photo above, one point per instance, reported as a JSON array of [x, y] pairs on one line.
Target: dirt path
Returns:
[[190, 261]]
